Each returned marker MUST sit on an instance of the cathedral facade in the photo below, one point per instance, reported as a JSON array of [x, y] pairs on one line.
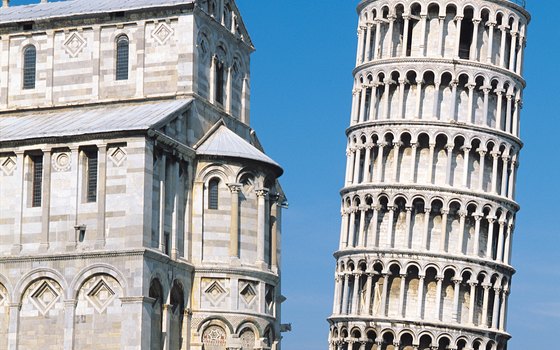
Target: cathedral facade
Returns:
[[138, 209], [428, 205]]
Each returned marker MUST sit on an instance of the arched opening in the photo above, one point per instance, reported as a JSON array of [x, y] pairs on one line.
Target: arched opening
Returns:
[[156, 293], [29, 67], [177, 300], [466, 39], [121, 68]]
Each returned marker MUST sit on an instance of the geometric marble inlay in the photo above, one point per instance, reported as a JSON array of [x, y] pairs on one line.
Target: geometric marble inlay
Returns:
[[2, 297], [44, 297], [8, 166], [215, 292], [162, 33], [101, 295], [74, 44], [117, 156], [248, 293]]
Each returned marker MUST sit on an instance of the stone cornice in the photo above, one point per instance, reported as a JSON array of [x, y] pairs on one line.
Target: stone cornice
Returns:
[[418, 324], [452, 191], [215, 312], [236, 271], [82, 255], [422, 123], [415, 255], [400, 62]]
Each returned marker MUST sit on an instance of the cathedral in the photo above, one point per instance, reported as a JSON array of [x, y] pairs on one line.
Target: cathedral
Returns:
[[428, 204], [138, 209]]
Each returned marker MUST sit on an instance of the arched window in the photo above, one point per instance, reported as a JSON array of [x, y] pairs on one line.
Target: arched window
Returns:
[[122, 58], [29, 67], [213, 193], [219, 83]]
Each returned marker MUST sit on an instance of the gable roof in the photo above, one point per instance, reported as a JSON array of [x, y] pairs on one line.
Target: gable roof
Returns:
[[69, 8], [221, 141], [87, 120]]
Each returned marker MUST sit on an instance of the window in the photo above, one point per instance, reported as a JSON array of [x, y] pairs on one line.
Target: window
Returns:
[[91, 175], [122, 58], [213, 193], [219, 82], [29, 67], [36, 180]]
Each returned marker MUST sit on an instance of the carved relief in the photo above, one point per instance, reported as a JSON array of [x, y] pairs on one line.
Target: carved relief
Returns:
[[61, 161]]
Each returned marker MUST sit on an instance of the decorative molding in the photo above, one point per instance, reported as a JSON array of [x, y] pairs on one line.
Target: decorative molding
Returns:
[[61, 161]]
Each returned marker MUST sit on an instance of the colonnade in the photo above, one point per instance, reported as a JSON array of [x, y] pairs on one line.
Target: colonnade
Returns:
[[268, 212], [485, 101], [407, 339], [429, 227], [427, 297], [490, 168], [492, 37]]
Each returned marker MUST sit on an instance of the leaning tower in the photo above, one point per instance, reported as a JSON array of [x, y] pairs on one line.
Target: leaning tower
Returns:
[[428, 204]]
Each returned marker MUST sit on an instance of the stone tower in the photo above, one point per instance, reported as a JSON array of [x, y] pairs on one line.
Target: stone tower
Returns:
[[428, 205]]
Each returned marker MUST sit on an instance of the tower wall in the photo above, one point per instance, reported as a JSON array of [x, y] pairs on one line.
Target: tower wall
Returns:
[[428, 206]]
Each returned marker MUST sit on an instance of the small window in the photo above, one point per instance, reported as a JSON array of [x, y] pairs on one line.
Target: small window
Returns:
[[91, 172], [37, 180], [29, 67], [122, 58], [213, 193]]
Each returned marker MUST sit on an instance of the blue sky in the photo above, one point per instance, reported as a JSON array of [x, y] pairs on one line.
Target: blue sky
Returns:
[[301, 94]]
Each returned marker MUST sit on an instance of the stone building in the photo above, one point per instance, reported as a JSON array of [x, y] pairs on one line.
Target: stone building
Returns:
[[138, 209], [428, 206]]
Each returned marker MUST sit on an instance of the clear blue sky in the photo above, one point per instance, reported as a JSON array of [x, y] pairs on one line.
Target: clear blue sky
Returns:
[[301, 95]]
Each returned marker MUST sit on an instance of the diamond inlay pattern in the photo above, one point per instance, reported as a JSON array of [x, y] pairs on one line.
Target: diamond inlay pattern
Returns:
[[101, 295], [162, 33], [74, 44], [248, 293], [215, 292], [117, 156], [8, 166], [44, 297]]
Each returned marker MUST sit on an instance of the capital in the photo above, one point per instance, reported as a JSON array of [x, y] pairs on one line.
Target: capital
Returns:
[[263, 192], [234, 187]]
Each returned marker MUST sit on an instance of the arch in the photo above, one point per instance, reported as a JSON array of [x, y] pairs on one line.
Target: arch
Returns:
[[156, 316], [31, 276], [122, 57], [29, 66], [96, 269]]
